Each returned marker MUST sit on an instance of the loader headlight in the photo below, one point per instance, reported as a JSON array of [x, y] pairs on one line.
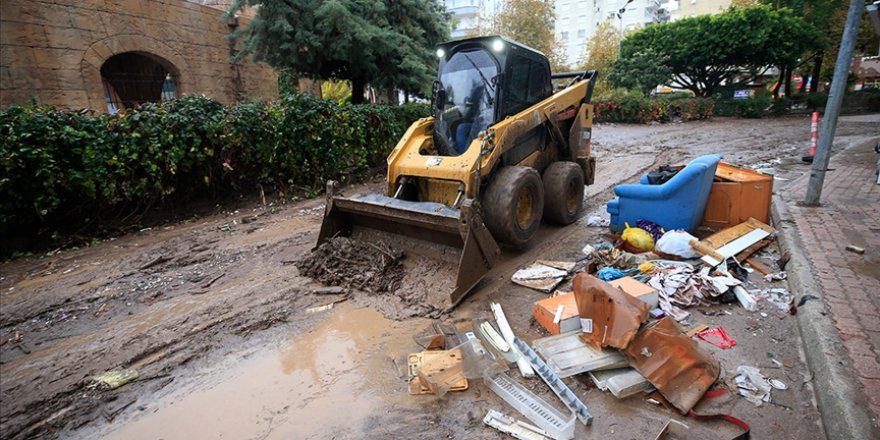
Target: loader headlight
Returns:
[[441, 53], [497, 45]]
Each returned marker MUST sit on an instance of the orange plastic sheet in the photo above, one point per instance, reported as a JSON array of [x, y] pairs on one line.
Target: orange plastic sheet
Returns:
[[673, 363], [609, 317]]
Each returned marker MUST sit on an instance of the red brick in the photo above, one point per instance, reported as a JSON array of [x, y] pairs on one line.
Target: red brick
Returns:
[[866, 366]]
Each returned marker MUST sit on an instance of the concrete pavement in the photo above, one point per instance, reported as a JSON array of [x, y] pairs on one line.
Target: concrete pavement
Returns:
[[841, 328]]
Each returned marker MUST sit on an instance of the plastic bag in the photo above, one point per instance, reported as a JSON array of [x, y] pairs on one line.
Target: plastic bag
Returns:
[[637, 238], [677, 243]]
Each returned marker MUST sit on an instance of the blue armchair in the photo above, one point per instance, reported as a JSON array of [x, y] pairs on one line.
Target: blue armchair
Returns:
[[678, 203]]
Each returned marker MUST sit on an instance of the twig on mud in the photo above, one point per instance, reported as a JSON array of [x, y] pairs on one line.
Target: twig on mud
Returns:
[[110, 415], [100, 310], [383, 251], [208, 284], [159, 260]]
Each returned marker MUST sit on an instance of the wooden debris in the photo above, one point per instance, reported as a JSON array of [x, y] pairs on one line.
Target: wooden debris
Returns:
[[100, 310], [732, 241], [213, 280], [159, 260], [757, 266]]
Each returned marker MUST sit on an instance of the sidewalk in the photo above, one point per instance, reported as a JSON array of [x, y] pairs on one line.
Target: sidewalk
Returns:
[[848, 286]]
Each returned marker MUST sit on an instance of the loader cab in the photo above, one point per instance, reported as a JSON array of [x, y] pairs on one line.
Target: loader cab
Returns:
[[481, 81]]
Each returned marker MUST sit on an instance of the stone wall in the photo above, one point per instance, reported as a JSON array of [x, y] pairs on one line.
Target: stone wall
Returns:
[[51, 51]]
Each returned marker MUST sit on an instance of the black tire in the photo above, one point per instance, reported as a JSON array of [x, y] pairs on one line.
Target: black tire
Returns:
[[563, 192], [513, 204]]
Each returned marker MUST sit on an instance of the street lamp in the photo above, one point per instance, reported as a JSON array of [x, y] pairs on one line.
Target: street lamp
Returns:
[[620, 27]]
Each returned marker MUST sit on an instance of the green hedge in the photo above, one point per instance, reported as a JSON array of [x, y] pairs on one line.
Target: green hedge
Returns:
[[634, 107], [65, 170]]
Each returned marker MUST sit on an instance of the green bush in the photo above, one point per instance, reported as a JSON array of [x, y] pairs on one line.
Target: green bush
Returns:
[[634, 107], [66, 170], [755, 107]]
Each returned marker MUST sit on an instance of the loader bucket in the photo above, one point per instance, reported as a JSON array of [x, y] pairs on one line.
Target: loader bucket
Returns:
[[426, 221]]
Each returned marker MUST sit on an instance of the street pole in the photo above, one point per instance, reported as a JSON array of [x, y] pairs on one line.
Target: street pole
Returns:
[[835, 98]]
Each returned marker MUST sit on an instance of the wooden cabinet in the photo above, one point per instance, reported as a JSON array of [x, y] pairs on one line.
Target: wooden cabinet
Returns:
[[736, 195]]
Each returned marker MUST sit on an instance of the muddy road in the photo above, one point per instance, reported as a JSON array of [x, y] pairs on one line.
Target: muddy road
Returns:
[[231, 341]]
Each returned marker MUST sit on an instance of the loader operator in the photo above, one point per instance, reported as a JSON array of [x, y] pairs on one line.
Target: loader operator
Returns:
[[469, 102]]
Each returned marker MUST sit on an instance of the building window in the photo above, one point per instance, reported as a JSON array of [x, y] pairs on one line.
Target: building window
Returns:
[[564, 36], [582, 33]]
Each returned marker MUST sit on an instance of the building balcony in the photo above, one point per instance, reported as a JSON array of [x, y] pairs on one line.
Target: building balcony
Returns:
[[465, 10]]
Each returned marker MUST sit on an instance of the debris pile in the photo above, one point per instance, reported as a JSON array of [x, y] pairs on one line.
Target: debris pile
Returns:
[[342, 261]]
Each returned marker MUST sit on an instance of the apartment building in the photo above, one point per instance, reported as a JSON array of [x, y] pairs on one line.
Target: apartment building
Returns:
[[469, 15], [577, 20], [679, 9]]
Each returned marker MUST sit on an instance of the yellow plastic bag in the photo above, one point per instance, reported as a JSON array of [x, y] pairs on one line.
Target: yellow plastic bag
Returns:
[[638, 238]]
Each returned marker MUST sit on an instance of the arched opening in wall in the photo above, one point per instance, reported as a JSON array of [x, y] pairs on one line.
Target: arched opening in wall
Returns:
[[134, 78]]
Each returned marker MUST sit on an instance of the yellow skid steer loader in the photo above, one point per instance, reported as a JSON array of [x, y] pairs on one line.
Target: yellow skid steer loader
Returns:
[[502, 151]]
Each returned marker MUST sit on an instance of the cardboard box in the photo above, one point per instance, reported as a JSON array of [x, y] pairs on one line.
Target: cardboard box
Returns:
[[641, 291], [736, 195], [545, 310]]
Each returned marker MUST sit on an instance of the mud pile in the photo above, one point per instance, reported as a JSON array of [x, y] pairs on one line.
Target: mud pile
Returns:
[[341, 261]]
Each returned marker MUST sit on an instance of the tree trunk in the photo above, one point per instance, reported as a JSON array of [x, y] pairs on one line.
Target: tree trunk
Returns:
[[788, 91], [778, 82], [817, 69], [357, 90], [803, 88]]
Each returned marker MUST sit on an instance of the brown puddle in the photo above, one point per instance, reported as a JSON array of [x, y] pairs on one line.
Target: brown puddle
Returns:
[[322, 384]]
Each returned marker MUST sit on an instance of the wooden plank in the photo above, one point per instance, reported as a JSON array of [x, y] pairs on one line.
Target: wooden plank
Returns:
[[736, 246]]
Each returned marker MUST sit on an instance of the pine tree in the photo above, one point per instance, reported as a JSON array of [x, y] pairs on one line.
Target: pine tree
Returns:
[[388, 43]]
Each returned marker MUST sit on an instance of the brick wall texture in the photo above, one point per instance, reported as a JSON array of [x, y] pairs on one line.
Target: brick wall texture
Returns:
[[51, 51]]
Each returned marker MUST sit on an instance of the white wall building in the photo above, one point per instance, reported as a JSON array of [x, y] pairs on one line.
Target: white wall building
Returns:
[[468, 14], [577, 20]]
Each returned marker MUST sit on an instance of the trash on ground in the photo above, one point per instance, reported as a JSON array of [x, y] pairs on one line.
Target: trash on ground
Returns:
[[745, 299], [717, 337], [516, 428], [637, 239], [638, 290], [737, 194], [678, 203], [567, 355], [673, 430], [545, 312], [493, 340], [752, 385], [507, 332], [554, 422], [543, 275], [595, 220], [427, 361], [613, 257], [609, 273], [805, 298], [697, 329], [652, 228], [729, 242], [856, 249], [621, 382], [676, 365], [778, 276], [469, 360], [609, 317], [568, 398], [116, 378], [677, 243]]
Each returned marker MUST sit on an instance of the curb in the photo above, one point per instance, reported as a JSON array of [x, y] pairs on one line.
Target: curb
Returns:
[[840, 400]]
